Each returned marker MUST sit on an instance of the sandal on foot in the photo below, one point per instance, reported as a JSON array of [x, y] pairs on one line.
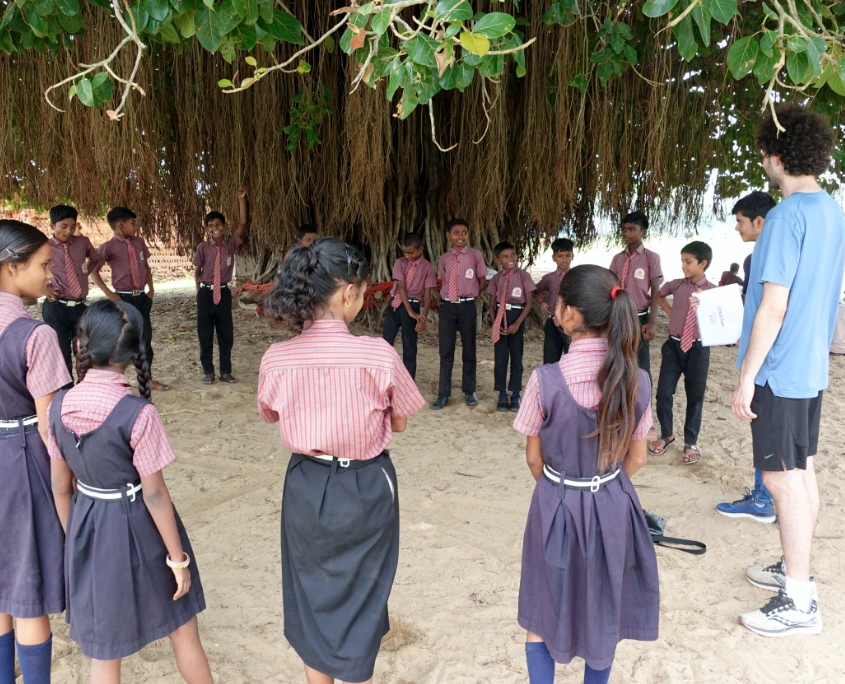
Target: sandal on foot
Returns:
[[692, 454], [659, 451], [159, 386], [228, 378], [208, 379]]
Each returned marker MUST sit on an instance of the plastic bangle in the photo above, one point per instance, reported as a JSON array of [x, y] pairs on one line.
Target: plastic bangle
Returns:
[[181, 565]]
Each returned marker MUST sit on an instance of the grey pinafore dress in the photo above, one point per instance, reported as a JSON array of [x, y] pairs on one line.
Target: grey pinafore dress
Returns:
[[119, 588], [589, 571], [340, 551], [31, 537]]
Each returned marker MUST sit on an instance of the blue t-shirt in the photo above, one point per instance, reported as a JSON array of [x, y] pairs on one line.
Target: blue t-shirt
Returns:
[[802, 247]]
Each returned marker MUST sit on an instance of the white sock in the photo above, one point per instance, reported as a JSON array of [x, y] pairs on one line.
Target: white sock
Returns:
[[800, 592]]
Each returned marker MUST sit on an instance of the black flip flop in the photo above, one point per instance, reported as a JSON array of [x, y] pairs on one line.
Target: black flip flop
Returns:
[[208, 379]]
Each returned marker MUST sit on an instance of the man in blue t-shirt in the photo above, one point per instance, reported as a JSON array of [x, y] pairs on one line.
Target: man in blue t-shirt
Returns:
[[790, 310]]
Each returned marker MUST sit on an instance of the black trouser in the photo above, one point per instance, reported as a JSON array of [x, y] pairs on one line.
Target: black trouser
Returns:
[[454, 317], [400, 318], [509, 347], [63, 319], [211, 317], [694, 365], [555, 342], [643, 353], [144, 304]]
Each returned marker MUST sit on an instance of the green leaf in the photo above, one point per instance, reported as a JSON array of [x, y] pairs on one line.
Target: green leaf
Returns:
[[168, 33], [454, 29], [303, 67], [36, 22], [251, 61], [814, 56], [408, 103], [366, 9], [246, 10], [157, 9], [185, 24], [227, 50], [492, 66], [494, 25], [381, 21], [721, 10], [44, 7], [284, 27], [71, 25], [701, 17], [421, 50], [657, 8], [797, 44], [834, 80], [769, 12], [70, 8], [742, 56], [142, 17], [449, 79], [85, 92], [71, 93], [767, 42], [474, 43], [209, 29], [329, 44], [224, 83], [8, 15], [464, 76], [631, 55], [579, 81], [265, 10], [764, 67], [102, 87], [453, 10], [686, 39], [398, 79], [245, 36], [798, 67]]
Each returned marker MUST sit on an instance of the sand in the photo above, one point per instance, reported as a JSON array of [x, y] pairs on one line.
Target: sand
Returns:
[[465, 491]]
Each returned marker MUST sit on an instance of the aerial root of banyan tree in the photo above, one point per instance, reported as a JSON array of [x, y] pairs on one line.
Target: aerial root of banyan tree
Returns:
[[550, 160]]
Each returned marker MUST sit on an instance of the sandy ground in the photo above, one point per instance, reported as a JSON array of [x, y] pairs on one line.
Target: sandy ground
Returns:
[[465, 492]]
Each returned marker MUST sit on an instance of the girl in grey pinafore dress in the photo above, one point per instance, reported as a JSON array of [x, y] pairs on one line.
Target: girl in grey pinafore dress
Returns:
[[589, 571], [121, 592]]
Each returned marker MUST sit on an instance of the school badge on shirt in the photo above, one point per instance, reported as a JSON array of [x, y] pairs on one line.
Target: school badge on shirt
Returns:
[[517, 292], [229, 261], [470, 273], [639, 274]]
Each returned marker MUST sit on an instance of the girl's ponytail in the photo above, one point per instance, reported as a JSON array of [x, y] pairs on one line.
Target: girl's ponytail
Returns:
[[308, 279], [83, 358], [609, 310], [143, 373]]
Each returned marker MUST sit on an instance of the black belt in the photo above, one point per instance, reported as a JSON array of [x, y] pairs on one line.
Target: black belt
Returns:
[[459, 300], [211, 287], [71, 302], [132, 293]]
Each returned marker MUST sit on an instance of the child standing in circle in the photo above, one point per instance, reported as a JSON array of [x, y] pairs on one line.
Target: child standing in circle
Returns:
[[32, 369], [131, 578], [589, 572], [338, 400]]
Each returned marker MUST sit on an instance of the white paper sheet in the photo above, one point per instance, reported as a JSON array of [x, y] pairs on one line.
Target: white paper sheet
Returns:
[[720, 315]]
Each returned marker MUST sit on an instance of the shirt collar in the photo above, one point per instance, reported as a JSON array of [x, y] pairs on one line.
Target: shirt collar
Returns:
[[699, 283], [101, 376], [589, 344], [327, 325], [58, 243], [460, 251], [121, 239], [14, 303], [638, 250]]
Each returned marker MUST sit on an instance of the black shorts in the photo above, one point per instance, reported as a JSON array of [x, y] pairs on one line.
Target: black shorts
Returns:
[[786, 431]]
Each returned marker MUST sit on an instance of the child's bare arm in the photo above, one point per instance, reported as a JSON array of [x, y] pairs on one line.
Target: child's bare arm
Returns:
[[534, 457], [158, 503], [664, 304], [635, 458], [242, 199], [61, 478], [99, 282]]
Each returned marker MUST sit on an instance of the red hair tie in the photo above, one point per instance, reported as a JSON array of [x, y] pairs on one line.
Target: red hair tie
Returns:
[[613, 292]]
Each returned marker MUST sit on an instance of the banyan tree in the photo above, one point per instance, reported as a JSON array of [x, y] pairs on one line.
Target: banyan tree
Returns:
[[529, 118]]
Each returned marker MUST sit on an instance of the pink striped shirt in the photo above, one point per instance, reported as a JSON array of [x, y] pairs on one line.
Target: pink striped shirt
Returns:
[[46, 369], [551, 283], [643, 268], [87, 405], [333, 393], [580, 368], [424, 277], [207, 254], [82, 254], [116, 254], [471, 267], [682, 289], [520, 286]]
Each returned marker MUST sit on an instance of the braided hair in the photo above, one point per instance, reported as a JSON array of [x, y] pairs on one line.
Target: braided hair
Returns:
[[111, 333], [310, 277]]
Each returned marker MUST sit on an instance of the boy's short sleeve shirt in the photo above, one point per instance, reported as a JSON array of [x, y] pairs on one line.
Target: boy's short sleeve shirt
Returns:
[[802, 247], [115, 253], [471, 267], [682, 289], [519, 284], [642, 269], [81, 252], [424, 277], [207, 254]]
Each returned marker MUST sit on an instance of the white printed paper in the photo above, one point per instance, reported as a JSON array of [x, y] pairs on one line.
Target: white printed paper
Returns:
[[720, 315]]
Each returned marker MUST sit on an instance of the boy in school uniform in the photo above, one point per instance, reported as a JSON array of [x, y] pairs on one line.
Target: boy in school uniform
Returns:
[[214, 264], [750, 212], [463, 274], [555, 341], [639, 273], [73, 257], [731, 277], [132, 278], [509, 292], [683, 353], [306, 234], [410, 299]]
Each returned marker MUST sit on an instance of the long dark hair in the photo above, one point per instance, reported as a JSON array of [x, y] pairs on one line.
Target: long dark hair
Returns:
[[588, 289], [309, 277], [19, 241], [113, 333]]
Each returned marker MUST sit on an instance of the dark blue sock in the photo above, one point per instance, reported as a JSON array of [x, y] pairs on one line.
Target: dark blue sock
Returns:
[[541, 666], [7, 658], [592, 676], [503, 395], [515, 395], [35, 662]]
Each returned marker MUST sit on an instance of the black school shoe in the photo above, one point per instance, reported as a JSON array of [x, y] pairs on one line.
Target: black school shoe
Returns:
[[503, 405], [440, 403], [471, 399], [514, 404]]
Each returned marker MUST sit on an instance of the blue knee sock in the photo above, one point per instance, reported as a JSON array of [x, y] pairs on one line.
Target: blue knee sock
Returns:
[[541, 666], [592, 676], [35, 662], [7, 658]]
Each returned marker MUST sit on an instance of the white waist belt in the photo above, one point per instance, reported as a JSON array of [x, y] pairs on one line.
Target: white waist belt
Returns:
[[11, 424], [342, 462], [109, 494], [592, 483]]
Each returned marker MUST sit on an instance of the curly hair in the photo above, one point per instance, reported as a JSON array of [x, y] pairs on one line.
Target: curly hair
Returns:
[[806, 145]]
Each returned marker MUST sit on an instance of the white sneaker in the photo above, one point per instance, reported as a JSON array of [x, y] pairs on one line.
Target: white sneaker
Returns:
[[780, 617], [773, 577]]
